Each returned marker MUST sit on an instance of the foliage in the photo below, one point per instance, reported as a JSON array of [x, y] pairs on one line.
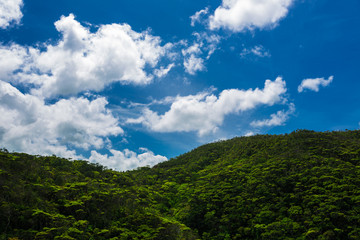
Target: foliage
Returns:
[[303, 185]]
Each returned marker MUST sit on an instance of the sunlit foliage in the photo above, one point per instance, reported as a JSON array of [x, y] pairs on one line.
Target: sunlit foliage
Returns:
[[303, 185]]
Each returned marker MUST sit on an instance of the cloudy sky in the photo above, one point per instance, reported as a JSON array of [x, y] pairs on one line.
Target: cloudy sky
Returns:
[[132, 83]]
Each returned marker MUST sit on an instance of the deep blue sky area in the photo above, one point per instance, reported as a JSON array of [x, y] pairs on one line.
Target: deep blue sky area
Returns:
[[133, 83]]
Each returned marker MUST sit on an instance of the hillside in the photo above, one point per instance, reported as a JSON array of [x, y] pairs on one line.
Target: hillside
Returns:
[[303, 185]]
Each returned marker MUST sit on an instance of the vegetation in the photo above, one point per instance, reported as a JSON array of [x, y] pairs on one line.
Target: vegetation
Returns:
[[303, 185]]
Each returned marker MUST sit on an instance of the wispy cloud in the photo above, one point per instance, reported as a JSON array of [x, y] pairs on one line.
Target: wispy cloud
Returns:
[[198, 16], [201, 49], [161, 72], [314, 83], [192, 60], [258, 51], [249, 134], [193, 64], [276, 119]]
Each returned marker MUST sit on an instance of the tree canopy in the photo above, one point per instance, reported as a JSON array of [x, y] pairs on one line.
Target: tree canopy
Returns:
[[302, 185]]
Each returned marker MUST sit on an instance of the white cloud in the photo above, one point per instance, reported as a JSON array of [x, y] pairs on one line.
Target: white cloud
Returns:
[[28, 124], [208, 42], [163, 71], [10, 12], [11, 59], [205, 112], [258, 51], [314, 83], [192, 64], [277, 119], [83, 60], [240, 15], [195, 55], [127, 160], [197, 16], [193, 49], [249, 134]]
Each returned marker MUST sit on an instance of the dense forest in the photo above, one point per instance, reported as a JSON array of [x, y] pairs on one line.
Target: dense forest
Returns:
[[302, 185]]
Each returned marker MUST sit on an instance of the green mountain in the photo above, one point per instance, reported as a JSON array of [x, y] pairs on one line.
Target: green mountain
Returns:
[[303, 185]]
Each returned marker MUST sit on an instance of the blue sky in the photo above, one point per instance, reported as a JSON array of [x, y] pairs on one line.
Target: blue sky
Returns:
[[134, 83]]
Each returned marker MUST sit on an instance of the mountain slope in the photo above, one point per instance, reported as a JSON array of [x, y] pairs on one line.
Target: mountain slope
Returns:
[[271, 187], [303, 185]]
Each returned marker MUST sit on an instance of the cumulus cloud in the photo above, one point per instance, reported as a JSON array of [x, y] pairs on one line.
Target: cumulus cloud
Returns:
[[314, 83], [127, 160], [11, 59], [277, 119], [28, 124], [198, 15], [240, 15], [258, 51], [205, 112], [83, 60], [10, 12]]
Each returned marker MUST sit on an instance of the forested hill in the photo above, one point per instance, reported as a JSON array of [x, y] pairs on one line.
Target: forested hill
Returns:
[[303, 185]]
